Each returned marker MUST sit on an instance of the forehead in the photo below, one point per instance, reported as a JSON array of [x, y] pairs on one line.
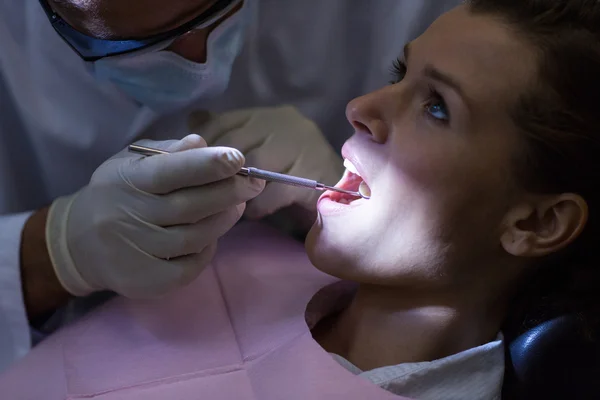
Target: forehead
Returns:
[[488, 59], [130, 17]]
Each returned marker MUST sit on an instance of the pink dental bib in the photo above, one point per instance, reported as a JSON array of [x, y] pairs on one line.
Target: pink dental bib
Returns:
[[238, 332]]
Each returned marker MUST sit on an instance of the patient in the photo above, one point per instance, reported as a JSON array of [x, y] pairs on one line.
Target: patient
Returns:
[[481, 159]]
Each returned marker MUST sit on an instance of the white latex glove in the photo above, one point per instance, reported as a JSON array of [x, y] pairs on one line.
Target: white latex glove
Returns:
[[144, 226], [277, 139]]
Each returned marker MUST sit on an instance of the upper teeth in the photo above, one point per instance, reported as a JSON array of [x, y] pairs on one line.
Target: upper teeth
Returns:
[[350, 167]]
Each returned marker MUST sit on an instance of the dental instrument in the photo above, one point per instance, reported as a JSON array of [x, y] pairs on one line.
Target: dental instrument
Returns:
[[262, 174]]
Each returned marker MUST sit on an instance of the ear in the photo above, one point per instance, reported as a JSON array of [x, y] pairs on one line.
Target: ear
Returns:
[[544, 225]]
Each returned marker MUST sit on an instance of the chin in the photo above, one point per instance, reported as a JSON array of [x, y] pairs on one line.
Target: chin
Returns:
[[317, 248], [328, 256], [313, 243]]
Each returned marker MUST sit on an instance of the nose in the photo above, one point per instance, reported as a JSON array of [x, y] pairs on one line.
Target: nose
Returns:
[[366, 114], [192, 45]]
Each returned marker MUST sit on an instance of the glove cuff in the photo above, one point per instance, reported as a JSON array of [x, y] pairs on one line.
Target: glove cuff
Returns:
[[58, 248]]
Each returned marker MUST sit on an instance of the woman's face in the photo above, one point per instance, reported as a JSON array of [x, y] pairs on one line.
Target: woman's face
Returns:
[[436, 149]]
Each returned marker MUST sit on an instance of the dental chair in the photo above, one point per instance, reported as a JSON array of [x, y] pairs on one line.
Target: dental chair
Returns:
[[553, 361]]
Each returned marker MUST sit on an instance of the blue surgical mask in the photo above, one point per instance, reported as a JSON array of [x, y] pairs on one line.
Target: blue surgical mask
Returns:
[[165, 81]]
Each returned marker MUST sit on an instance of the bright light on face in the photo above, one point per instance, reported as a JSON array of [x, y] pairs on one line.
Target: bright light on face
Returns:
[[435, 149]]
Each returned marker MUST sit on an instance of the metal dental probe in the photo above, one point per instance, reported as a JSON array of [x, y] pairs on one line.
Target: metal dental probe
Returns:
[[262, 174]]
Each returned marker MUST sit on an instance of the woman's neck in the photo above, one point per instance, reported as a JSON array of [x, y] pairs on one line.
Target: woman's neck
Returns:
[[385, 326]]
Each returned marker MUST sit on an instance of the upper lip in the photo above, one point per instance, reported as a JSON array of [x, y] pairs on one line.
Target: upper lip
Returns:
[[349, 154]]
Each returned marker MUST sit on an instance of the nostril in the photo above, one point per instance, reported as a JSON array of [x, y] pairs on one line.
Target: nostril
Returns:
[[376, 129], [364, 114], [360, 127]]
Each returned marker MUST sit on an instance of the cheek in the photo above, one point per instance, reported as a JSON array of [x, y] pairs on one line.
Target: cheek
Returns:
[[410, 234], [332, 242], [377, 246], [377, 242]]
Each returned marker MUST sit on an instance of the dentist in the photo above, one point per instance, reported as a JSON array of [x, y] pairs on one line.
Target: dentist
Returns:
[[79, 81]]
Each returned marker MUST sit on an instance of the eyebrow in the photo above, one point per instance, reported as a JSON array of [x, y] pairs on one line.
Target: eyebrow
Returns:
[[435, 74]]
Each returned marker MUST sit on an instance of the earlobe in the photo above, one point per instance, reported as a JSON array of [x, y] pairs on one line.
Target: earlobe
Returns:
[[544, 226]]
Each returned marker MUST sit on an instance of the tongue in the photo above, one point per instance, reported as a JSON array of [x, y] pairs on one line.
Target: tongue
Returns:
[[351, 182]]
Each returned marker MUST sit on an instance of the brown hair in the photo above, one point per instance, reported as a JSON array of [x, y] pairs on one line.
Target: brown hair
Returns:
[[559, 117]]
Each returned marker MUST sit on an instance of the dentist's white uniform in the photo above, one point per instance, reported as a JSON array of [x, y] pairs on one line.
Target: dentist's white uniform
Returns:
[[57, 125]]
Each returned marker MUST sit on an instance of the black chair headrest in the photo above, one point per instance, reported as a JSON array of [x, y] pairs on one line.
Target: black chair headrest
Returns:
[[555, 360]]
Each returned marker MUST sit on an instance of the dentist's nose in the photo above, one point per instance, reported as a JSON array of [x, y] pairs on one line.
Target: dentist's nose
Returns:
[[192, 45]]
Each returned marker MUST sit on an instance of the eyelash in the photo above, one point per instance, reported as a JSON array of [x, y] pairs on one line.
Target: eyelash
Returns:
[[399, 70]]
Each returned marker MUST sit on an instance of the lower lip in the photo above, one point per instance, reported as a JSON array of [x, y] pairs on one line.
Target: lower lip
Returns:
[[326, 206]]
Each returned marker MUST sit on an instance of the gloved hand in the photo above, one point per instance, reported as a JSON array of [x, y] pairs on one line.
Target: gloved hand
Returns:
[[277, 139], [144, 226]]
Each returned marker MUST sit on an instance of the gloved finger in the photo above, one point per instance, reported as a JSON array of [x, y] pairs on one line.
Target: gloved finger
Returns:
[[219, 124], [245, 138], [305, 166], [262, 125], [183, 240], [272, 159], [193, 265], [161, 276], [192, 205], [192, 141], [166, 173], [272, 199], [157, 144], [188, 142], [160, 145]]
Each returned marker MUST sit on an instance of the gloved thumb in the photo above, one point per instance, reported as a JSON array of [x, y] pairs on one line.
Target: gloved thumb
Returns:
[[172, 146], [213, 126], [189, 142]]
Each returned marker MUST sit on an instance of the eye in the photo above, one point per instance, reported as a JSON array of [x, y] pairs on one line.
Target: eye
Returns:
[[436, 108], [398, 71]]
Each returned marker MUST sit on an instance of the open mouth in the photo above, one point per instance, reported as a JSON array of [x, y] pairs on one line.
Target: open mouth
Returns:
[[351, 181]]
